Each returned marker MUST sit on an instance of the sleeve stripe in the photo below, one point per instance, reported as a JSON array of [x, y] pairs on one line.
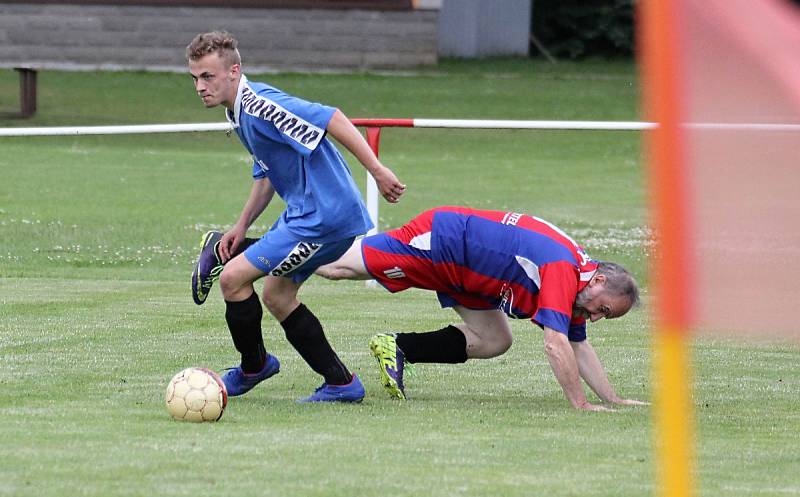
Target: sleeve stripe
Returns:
[[294, 127], [553, 319]]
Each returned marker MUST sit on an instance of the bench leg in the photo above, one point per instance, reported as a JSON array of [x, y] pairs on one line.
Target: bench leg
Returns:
[[27, 92]]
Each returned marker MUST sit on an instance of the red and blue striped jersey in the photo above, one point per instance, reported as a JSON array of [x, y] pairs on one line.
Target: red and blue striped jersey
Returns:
[[485, 259]]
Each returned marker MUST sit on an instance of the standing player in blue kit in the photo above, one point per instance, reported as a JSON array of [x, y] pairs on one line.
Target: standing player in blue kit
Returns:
[[324, 213]]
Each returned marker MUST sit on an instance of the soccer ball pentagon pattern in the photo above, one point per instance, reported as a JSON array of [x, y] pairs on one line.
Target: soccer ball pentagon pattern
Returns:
[[196, 395]]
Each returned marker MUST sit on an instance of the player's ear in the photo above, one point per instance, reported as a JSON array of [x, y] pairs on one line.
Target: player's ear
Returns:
[[234, 71], [599, 279]]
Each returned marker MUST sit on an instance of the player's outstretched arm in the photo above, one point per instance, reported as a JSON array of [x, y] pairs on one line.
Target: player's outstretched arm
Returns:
[[350, 266], [348, 135], [565, 367], [592, 371]]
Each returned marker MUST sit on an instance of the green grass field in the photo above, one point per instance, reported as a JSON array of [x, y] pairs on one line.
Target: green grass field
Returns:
[[99, 235]]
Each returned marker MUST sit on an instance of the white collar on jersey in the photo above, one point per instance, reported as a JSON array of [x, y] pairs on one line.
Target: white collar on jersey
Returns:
[[237, 105], [588, 275]]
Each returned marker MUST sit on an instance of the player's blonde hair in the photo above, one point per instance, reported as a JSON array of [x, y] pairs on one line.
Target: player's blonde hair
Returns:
[[220, 42]]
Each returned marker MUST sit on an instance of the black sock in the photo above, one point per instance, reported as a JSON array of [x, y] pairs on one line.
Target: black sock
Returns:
[[244, 323], [304, 332], [448, 345]]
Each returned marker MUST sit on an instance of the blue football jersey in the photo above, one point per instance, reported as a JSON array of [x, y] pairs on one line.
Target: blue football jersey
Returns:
[[286, 137]]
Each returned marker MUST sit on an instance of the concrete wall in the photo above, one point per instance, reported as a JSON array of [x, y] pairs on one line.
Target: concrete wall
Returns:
[[479, 28], [154, 38]]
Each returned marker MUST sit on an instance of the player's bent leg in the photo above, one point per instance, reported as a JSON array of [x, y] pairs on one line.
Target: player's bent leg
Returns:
[[209, 264], [288, 262], [243, 315], [236, 280], [487, 332], [305, 333], [350, 266]]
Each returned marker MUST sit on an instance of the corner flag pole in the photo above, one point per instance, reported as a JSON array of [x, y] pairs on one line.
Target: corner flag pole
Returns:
[[672, 265]]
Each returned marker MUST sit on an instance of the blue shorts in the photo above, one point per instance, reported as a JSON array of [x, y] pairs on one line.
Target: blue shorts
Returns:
[[279, 253]]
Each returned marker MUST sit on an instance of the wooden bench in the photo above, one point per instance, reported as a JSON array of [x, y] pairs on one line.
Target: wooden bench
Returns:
[[27, 92]]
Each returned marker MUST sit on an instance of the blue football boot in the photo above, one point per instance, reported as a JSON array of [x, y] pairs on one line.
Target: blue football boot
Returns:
[[351, 392], [237, 382]]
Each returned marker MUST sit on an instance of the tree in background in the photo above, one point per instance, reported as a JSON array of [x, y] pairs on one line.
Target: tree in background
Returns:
[[580, 28]]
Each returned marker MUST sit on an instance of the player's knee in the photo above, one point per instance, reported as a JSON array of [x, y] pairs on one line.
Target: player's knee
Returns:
[[503, 344], [229, 285], [485, 345], [499, 345], [278, 304], [272, 302]]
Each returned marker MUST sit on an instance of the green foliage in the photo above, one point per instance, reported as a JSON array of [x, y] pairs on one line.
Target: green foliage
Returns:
[[580, 28]]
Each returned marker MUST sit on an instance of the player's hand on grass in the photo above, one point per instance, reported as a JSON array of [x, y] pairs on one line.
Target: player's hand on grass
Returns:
[[229, 242], [388, 184], [632, 402], [587, 406]]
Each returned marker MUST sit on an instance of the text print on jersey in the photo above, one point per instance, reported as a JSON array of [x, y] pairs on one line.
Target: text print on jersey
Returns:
[[287, 123]]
